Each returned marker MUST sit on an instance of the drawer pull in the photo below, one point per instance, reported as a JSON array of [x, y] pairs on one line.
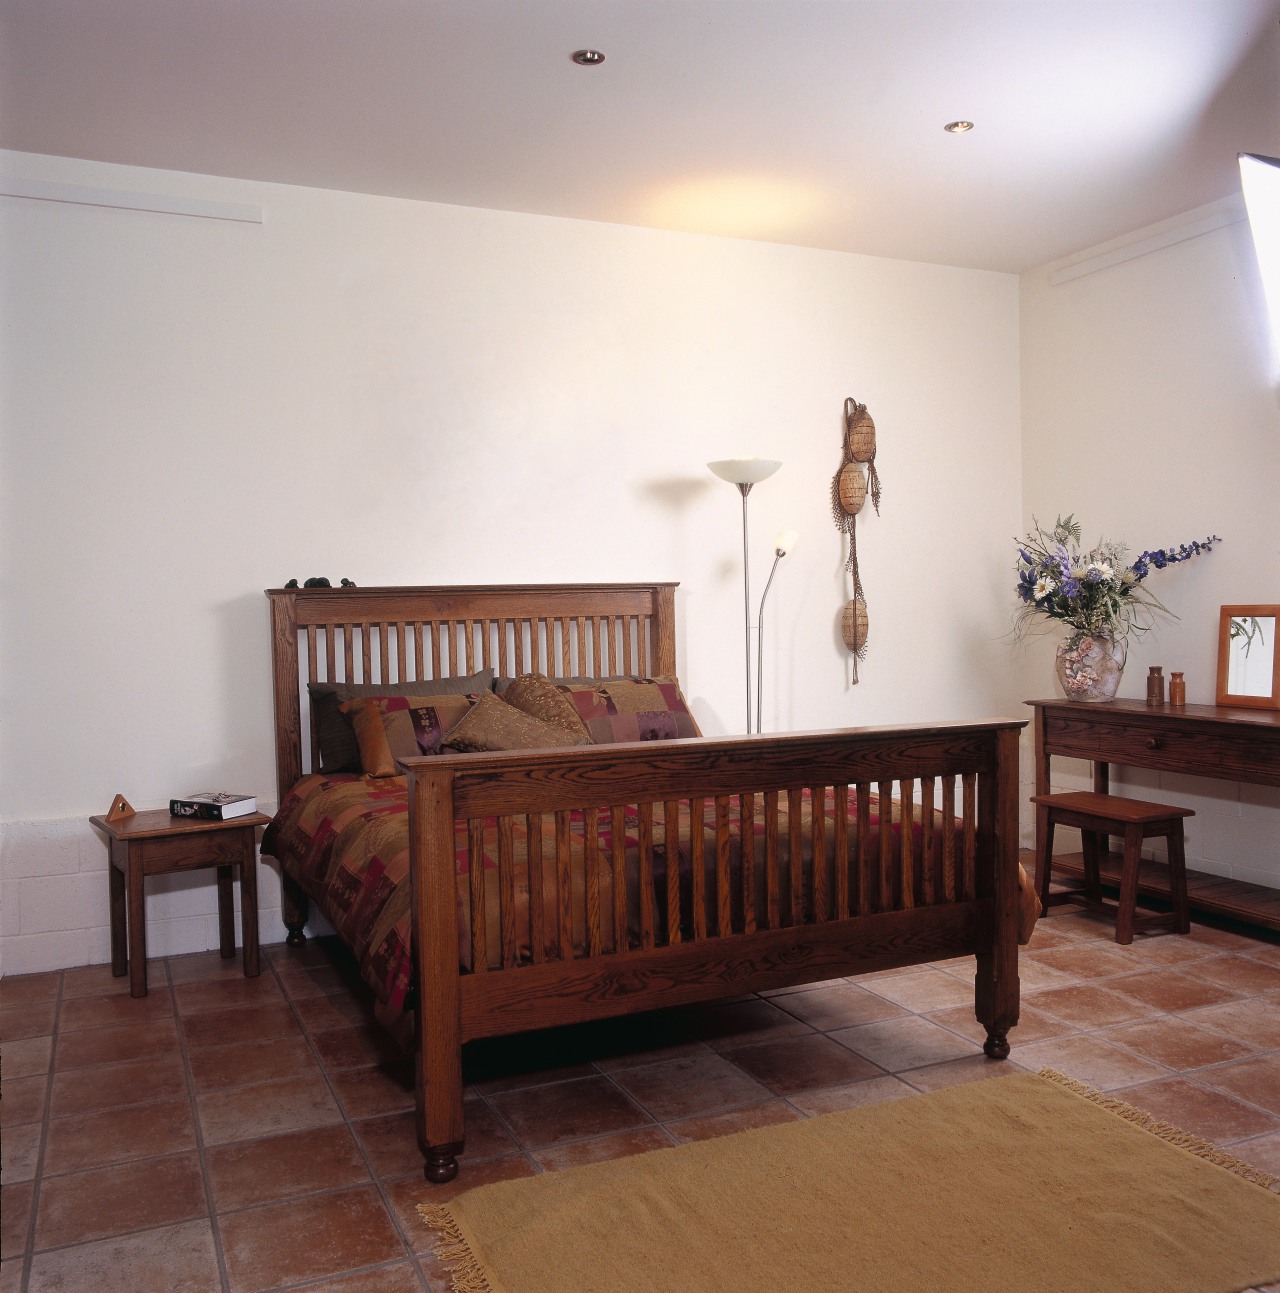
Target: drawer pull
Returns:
[[1153, 743]]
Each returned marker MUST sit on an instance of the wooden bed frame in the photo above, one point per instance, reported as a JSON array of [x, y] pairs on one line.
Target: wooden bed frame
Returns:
[[954, 893]]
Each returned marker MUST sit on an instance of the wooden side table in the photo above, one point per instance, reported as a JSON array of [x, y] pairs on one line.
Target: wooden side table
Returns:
[[154, 843]]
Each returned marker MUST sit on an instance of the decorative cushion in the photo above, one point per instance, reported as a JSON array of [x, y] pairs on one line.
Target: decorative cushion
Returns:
[[536, 694], [1029, 908], [632, 709], [338, 749], [492, 724], [397, 727]]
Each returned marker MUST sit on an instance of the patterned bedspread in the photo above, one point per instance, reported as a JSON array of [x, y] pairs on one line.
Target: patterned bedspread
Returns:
[[345, 840]]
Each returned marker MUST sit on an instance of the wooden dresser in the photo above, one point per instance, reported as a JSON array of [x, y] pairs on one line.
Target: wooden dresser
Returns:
[[1198, 740]]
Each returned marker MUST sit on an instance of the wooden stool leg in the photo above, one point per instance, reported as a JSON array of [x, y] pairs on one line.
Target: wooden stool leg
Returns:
[[137, 903], [1178, 881], [119, 955], [1044, 862], [226, 914], [249, 911], [1129, 883]]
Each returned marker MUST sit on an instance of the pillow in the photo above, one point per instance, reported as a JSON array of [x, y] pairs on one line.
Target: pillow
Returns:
[[492, 724], [631, 709], [536, 694], [396, 727], [502, 683], [338, 749]]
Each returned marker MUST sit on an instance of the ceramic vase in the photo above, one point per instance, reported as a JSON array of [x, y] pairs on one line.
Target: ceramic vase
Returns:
[[1090, 665]]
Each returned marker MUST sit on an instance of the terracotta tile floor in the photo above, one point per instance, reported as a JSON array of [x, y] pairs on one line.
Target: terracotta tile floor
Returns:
[[237, 1135]]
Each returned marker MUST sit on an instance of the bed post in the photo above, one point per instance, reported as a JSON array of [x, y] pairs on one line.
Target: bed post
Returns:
[[288, 714], [996, 994], [438, 1018], [664, 647]]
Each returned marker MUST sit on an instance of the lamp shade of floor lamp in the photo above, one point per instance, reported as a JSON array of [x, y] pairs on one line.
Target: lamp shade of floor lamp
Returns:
[[744, 473], [783, 544]]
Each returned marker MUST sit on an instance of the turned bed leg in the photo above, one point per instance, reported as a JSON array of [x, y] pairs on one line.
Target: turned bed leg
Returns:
[[442, 1163], [996, 982], [293, 911]]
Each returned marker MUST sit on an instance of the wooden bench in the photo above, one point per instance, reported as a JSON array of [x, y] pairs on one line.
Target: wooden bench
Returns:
[[1134, 820]]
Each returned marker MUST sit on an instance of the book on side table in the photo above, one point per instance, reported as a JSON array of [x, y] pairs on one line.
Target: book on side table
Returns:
[[213, 805]]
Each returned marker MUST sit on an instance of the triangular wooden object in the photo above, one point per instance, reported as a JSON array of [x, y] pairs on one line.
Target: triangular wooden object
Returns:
[[120, 809]]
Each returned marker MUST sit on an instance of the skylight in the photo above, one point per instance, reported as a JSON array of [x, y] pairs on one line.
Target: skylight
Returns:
[[1260, 179]]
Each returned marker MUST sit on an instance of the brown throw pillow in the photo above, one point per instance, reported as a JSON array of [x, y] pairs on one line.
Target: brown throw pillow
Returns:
[[338, 749], [492, 724], [1029, 908], [632, 709], [388, 728], [536, 694]]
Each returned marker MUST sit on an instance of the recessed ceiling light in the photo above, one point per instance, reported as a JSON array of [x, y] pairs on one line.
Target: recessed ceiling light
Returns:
[[587, 57], [956, 127]]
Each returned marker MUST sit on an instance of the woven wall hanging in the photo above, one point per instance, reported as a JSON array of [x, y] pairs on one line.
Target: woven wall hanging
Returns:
[[849, 489]]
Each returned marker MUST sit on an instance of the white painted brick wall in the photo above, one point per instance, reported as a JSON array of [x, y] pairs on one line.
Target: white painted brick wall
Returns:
[[55, 908]]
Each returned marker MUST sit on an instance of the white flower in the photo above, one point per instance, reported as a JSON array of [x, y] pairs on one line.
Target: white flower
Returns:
[[1044, 586], [1103, 571]]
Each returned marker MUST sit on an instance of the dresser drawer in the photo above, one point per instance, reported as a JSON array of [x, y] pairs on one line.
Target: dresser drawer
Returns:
[[1071, 735], [1159, 745], [1249, 759], [187, 852]]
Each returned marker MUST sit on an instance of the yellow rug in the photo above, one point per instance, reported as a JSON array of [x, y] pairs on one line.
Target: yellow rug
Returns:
[[1026, 1182]]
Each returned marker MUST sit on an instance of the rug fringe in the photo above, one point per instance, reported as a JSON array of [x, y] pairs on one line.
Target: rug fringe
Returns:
[[466, 1273], [1166, 1131]]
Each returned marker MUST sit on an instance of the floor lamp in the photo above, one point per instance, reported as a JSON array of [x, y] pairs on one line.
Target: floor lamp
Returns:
[[783, 544], [745, 472]]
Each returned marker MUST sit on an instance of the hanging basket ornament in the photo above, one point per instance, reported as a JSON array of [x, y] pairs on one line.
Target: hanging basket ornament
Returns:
[[861, 435], [849, 489], [854, 625], [860, 444]]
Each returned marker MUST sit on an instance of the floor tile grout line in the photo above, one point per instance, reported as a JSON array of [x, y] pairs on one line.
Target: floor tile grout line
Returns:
[[206, 1180], [392, 1215], [1098, 1032], [521, 1148], [29, 1248], [320, 1280]]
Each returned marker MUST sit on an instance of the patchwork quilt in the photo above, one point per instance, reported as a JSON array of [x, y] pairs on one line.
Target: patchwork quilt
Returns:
[[345, 839]]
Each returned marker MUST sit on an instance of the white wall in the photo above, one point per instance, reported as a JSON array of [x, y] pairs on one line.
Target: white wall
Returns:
[[195, 410], [1150, 411]]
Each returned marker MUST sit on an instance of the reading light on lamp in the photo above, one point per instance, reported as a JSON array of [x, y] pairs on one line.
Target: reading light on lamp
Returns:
[[1260, 180], [783, 544], [744, 473]]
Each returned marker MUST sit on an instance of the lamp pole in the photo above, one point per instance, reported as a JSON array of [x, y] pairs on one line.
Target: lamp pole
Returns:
[[745, 472], [781, 546], [745, 487]]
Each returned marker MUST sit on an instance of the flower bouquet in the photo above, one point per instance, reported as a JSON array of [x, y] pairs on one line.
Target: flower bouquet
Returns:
[[1100, 594]]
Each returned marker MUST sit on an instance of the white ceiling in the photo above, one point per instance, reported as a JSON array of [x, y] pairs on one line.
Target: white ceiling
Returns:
[[815, 122]]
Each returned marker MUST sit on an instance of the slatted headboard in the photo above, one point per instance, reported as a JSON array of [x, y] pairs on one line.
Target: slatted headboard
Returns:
[[409, 634]]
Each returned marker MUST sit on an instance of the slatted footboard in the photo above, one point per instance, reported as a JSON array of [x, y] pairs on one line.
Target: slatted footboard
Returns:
[[704, 869]]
